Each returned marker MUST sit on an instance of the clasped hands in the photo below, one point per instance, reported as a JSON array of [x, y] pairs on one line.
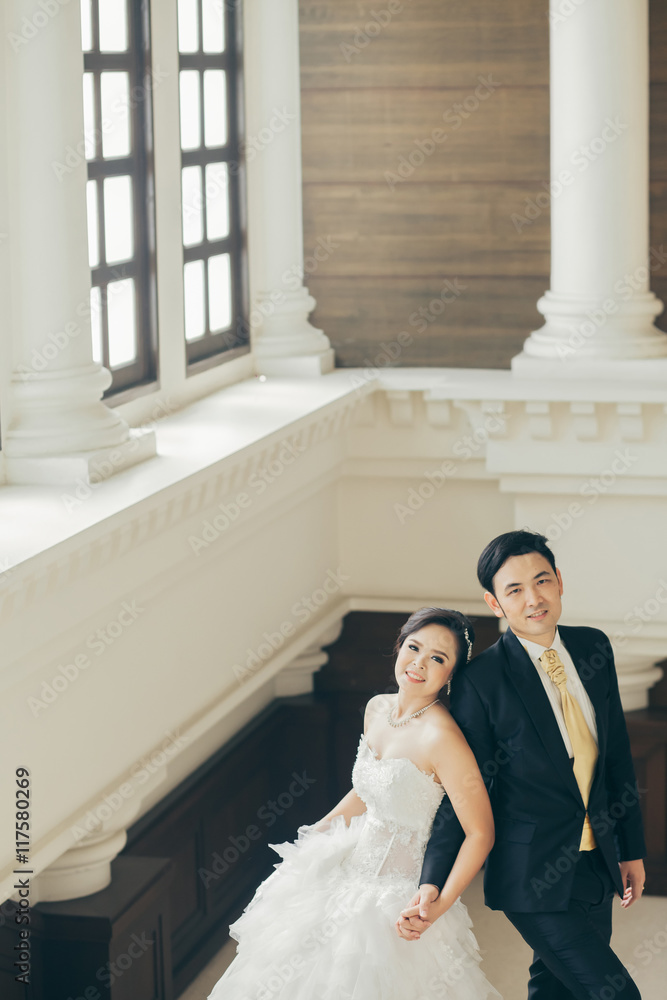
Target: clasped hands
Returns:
[[423, 909], [426, 905]]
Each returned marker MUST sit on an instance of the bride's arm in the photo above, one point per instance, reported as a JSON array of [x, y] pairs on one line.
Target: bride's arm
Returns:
[[456, 767], [350, 805]]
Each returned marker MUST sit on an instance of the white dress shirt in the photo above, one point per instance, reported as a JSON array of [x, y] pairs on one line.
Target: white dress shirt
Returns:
[[574, 686]]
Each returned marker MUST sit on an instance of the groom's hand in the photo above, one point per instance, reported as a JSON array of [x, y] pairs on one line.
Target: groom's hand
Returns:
[[418, 916], [633, 875]]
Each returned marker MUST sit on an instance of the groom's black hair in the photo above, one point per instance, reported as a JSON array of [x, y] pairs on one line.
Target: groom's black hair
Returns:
[[455, 621], [502, 548]]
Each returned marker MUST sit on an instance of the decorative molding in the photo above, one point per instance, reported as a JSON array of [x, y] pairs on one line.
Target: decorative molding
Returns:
[[98, 546], [297, 677], [540, 420], [585, 423], [401, 407], [438, 408], [631, 421], [553, 423]]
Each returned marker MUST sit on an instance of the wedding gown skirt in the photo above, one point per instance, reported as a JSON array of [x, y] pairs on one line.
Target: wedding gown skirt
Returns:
[[321, 927]]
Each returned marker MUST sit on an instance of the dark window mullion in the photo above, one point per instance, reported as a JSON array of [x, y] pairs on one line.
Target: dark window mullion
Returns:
[[202, 134], [104, 298], [208, 248], [115, 272], [95, 22], [205, 60], [210, 154], [200, 29], [108, 61], [204, 207], [97, 104], [207, 316], [146, 347], [236, 221], [101, 225], [115, 166]]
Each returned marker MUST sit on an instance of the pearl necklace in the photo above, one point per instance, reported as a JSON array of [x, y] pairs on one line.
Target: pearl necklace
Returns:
[[414, 715]]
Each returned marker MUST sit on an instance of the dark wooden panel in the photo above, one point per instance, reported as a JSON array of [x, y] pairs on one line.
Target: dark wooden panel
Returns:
[[484, 327], [658, 40], [217, 825], [658, 238], [113, 943], [658, 126], [426, 229], [359, 135], [658, 694], [428, 43], [648, 736]]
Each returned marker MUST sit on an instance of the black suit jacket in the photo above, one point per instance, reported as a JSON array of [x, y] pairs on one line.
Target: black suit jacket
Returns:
[[500, 704]]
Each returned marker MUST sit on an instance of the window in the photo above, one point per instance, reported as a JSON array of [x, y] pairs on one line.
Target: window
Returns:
[[121, 225], [211, 166]]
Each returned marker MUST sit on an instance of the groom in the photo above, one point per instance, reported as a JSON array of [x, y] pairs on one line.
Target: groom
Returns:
[[565, 799]]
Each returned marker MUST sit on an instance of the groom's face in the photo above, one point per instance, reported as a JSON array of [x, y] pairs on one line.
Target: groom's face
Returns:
[[527, 592]]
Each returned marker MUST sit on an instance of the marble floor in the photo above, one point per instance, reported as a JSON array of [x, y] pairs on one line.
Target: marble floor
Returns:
[[640, 939]]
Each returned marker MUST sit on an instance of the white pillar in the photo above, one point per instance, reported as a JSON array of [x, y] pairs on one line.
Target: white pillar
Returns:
[[599, 312], [284, 342], [58, 429], [93, 842]]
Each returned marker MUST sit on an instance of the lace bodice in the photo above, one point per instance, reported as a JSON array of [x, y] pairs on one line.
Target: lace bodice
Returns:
[[401, 802]]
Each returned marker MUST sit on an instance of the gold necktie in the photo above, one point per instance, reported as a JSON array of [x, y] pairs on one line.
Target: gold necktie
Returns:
[[584, 746]]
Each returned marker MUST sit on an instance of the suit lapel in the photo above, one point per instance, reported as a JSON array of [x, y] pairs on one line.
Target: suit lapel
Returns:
[[523, 675]]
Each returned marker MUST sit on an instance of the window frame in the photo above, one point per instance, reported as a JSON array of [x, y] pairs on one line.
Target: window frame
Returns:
[[139, 165], [216, 348]]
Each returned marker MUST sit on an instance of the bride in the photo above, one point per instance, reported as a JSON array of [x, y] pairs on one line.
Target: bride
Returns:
[[324, 925]]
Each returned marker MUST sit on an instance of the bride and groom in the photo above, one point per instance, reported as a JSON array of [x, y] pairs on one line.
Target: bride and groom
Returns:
[[524, 771]]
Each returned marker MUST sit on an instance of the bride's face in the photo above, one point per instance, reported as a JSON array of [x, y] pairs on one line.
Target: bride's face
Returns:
[[426, 660]]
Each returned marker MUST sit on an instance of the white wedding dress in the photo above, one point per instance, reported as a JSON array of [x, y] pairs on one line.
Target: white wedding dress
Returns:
[[321, 927]]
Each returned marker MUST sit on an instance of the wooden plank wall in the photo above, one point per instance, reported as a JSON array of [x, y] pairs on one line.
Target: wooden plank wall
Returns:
[[377, 79]]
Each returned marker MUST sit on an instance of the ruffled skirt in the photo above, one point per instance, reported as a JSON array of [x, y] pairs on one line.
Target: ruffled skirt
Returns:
[[320, 928]]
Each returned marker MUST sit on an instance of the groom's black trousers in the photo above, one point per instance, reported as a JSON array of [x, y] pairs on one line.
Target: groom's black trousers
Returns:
[[572, 959]]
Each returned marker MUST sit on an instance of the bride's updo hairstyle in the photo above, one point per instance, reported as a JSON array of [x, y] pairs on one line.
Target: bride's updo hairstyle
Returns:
[[453, 620]]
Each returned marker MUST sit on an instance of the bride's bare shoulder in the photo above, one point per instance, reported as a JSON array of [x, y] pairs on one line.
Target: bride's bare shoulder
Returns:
[[441, 728], [379, 704]]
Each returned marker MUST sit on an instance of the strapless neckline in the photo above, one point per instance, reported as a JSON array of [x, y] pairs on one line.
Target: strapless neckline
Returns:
[[385, 760]]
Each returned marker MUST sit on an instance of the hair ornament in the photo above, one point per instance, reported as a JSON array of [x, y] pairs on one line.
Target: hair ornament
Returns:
[[469, 644]]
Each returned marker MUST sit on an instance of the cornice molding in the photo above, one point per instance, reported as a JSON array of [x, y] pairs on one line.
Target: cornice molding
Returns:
[[527, 444]]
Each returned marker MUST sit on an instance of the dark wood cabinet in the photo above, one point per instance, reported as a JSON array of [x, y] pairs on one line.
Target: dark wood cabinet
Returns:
[[112, 945]]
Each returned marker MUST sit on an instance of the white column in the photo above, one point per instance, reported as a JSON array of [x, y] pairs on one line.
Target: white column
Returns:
[[284, 342], [637, 672], [93, 843], [599, 312], [58, 430]]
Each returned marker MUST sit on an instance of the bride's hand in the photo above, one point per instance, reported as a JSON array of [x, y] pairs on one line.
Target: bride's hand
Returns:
[[419, 914]]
